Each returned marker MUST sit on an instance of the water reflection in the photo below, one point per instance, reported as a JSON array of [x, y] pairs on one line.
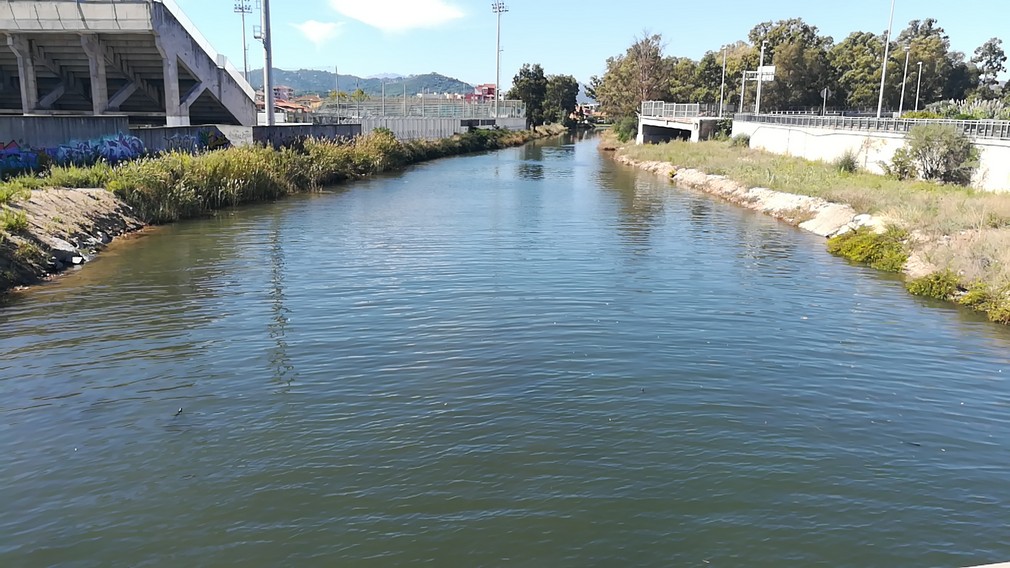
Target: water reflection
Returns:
[[280, 361]]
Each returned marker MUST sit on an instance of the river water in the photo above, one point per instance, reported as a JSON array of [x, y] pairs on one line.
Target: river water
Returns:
[[534, 357]]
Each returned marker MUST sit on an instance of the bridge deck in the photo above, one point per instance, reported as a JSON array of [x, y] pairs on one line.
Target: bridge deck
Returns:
[[139, 58]]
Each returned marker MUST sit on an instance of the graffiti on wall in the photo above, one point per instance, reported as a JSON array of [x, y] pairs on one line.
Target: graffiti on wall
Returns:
[[203, 141], [17, 158]]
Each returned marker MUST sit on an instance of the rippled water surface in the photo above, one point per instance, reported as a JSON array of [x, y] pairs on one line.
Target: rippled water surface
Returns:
[[533, 357]]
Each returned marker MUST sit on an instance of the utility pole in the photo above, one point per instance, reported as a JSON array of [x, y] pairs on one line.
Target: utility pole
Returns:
[[405, 98], [904, 78], [242, 7], [722, 89], [336, 90], [918, 86], [883, 71], [761, 64], [743, 89], [268, 72], [383, 81], [498, 8]]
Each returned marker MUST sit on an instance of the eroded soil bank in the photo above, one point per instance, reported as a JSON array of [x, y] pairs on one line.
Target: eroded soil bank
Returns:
[[65, 228]]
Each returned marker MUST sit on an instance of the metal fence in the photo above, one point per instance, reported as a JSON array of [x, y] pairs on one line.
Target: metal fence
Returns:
[[994, 129], [417, 107], [660, 109]]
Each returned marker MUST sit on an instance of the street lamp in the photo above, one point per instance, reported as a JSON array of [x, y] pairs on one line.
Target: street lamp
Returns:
[[918, 86], [904, 78], [498, 8], [242, 7], [722, 89], [761, 64], [887, 51]]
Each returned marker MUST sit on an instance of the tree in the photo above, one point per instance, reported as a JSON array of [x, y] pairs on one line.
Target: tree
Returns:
[[800, 55], [945, 74], [640, 74], [560, 98], [991, 61], [530, 86], [856, 65]]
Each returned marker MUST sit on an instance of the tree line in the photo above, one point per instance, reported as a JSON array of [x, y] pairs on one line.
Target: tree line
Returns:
[[806, 63], [548, 98]]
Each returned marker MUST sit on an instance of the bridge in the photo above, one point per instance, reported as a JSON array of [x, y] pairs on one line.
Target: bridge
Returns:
[[142, 59], [660, 121]]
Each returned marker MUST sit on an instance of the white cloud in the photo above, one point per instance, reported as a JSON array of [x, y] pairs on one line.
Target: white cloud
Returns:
[[398, 15], [319, 32]]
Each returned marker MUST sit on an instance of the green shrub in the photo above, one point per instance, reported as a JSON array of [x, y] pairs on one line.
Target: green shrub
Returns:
[[626, 128], [902, 165], [13, 221], [920, 114], [883, 251], [942, 285], [12, 191], [848, 162], [942, 153], [740, 141], [977, 297]]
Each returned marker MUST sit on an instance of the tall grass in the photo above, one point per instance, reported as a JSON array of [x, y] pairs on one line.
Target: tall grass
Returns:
[[178, 185]]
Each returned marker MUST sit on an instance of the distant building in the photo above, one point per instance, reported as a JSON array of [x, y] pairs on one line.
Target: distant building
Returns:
[[485, 92], [284, 93]]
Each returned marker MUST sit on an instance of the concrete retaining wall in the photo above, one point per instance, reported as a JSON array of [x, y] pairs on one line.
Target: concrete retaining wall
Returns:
[[49, 131], [284, 134], [187, 138], [828, 144]]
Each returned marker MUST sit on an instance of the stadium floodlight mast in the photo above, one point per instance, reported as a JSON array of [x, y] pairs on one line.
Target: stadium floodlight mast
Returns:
[[498, 8], [242, 7], [887, 52], [268, 63]]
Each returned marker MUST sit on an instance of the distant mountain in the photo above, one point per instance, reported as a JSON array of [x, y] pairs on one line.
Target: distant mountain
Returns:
[[305, 81], [582, 97]]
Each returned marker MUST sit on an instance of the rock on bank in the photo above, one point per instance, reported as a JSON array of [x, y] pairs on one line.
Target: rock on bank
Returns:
[[61, 228]]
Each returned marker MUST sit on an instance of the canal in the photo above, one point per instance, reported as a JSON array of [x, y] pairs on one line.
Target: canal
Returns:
[[533, 357]]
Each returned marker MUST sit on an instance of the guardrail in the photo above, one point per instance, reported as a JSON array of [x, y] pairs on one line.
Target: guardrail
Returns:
[[994, 129]]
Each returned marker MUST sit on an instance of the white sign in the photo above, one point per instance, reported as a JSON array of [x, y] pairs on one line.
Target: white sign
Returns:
[[766, 73]]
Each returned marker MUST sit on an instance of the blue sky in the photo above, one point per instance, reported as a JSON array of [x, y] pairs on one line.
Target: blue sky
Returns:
[[457, 37]]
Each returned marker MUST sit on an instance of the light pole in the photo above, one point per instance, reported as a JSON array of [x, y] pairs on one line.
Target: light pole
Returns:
[[904, 79], [268, 63], [887, 51], [761, 64], [242, 7], [918, 85], [498, 8], [383, 81], [722, 89]]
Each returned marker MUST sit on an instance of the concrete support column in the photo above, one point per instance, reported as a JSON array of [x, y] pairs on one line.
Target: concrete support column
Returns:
[[96, 63], [175, 113], [26, 73]]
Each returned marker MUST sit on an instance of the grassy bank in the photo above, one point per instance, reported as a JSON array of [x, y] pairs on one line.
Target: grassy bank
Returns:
[[178, 185], [960, 234]]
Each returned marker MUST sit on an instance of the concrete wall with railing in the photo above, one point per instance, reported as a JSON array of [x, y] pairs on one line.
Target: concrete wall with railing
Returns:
[[821, 141]]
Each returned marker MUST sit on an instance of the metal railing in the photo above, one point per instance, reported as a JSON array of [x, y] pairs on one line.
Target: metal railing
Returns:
[[995, 129], [660, 109]]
